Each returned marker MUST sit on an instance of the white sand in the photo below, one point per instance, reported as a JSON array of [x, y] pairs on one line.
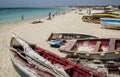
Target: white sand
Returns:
[[39, 33]]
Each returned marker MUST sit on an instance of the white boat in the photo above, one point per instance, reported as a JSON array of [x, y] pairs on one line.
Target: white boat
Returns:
[[97, 11], [110, 23], [57, 38], [36, 60]]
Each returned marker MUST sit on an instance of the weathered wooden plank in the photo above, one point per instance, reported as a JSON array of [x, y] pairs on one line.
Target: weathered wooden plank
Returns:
[[112, 45], [97, 47]]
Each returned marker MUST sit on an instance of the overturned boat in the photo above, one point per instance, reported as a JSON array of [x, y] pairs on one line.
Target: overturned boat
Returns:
[[32, 61], [96, 48], [112, 23], [56, 39]]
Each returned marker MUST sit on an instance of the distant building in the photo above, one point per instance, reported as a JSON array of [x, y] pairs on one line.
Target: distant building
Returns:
[[98, 8], [111, 8]]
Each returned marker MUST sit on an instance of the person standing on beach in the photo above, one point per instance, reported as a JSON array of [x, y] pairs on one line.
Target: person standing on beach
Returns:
[[53, 14], [63, 13], [49, 16], [22, 17]]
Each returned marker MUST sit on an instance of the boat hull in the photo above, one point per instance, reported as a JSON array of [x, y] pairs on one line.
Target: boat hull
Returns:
[[98, 56], [107, 56], [110, 23], [18, 70]]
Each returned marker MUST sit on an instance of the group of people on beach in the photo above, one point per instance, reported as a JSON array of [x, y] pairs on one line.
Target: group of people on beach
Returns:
[[50, 16], [53, 14]]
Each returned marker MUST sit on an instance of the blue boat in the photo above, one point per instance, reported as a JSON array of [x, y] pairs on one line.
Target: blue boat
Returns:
[[112, 23]]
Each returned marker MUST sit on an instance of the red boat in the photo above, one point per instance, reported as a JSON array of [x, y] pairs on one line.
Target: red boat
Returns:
[[32, 61], [96, 48]]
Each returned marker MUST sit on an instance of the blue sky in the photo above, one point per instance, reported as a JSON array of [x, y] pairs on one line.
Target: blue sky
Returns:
[[46, 3]]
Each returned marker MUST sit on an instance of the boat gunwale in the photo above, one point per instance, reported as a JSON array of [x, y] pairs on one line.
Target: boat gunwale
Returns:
[[92, 53], [72, 33], [110, 18]]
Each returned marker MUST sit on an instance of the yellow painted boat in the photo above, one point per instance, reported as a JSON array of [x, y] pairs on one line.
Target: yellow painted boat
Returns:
[[106, 15]]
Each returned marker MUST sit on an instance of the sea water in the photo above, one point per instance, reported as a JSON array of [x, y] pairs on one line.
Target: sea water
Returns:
[[10, 15]]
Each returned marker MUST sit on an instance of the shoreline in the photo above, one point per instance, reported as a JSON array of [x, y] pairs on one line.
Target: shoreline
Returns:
[[26, 14], [22, 21], [39, 33]]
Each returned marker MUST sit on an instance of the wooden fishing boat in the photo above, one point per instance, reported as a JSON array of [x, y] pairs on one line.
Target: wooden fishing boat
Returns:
[[58, 38], [95, 18], [91, 19], [34, 61], [110, 23], [86, 18], [108, 15], [97, 48], [109, 68]]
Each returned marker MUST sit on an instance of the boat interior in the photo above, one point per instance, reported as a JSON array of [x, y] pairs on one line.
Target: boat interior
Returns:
[[97, 45]]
